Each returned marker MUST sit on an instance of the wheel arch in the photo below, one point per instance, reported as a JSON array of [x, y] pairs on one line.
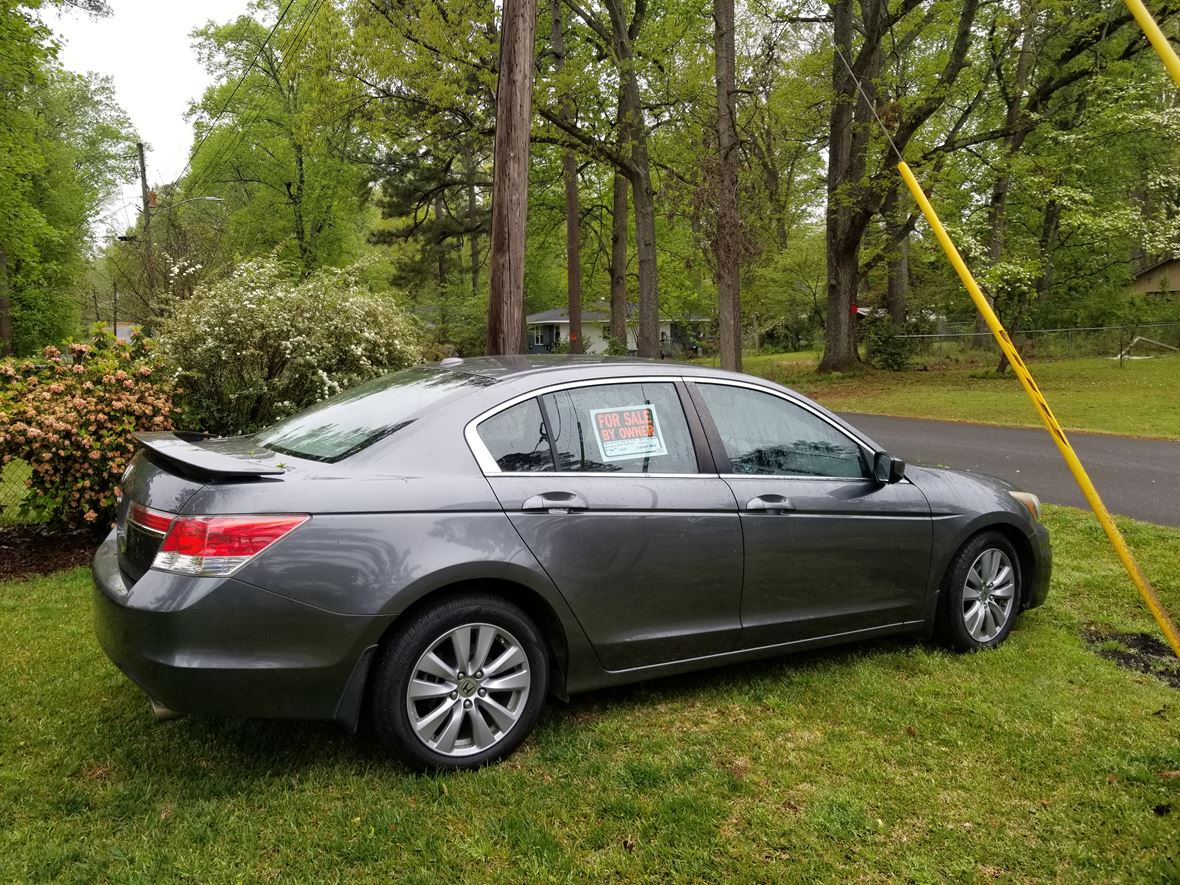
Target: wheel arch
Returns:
[[1011, 533]]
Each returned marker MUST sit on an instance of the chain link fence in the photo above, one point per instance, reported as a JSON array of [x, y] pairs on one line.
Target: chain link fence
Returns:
[[13, 491], [1127, 342]]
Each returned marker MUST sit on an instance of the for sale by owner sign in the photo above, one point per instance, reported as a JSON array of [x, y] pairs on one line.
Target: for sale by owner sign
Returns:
[[627, 432]]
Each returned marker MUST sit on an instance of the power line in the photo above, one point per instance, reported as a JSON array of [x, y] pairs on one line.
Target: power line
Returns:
[[287, 53], [237, 86]]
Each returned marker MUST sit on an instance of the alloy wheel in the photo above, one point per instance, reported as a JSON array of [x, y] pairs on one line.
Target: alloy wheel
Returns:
[[468, 689], [989, 594]]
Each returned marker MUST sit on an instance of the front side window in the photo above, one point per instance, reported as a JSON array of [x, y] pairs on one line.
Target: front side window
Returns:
[[515, 438], [620, 428], [767, 435]]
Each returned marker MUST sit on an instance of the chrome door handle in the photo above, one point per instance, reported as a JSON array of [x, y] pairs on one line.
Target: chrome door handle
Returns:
[[769, 504], [554, 502]]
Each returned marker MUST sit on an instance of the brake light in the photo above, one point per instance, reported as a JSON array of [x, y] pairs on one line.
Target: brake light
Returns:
[[153, 520], [216, 546]]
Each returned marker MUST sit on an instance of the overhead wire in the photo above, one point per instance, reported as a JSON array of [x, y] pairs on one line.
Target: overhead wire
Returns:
[[237, 86], [287, 53]]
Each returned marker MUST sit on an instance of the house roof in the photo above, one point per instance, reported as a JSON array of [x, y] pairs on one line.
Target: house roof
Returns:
[[560, 316], [1156, 266]]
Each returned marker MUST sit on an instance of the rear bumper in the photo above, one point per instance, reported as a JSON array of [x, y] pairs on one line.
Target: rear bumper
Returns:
[[1042, 566], [227, 648]]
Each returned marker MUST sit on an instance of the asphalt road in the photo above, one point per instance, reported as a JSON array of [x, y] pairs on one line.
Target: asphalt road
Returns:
[[1135, 477]]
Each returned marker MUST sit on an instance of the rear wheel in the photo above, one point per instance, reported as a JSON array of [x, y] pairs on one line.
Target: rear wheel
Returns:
[[460, 684], [980, 595]]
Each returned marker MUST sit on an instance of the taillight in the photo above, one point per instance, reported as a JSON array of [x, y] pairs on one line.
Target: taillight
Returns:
[[216, 546], [153, 520]]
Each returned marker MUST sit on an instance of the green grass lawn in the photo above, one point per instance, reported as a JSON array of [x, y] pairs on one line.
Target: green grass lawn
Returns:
[[1140, 399], [884, 761]]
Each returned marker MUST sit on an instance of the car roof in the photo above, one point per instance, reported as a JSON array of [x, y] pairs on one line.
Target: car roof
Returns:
[[513, 366]]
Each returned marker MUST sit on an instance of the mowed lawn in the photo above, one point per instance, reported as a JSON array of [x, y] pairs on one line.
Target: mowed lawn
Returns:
[[1142, 398], [879, 762]]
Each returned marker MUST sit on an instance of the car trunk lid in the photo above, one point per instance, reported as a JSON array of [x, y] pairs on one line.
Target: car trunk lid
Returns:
[[165, 474]]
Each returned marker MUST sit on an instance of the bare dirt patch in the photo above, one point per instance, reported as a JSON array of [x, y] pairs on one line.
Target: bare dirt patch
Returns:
[[32, 550], [1136, 651]]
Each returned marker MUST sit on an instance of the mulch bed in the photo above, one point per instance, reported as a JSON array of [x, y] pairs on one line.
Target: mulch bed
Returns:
[[1136, 651], [31, 550]]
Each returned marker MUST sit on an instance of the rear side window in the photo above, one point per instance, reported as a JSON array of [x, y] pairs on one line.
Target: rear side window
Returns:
[[767, 435], [620, 428], [346, 423], [516, 439]]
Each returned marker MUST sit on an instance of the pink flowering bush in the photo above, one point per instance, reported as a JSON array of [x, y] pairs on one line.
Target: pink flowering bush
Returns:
[[71, 420]]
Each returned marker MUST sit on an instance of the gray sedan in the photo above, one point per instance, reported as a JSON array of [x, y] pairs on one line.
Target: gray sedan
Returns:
[[446, 546]]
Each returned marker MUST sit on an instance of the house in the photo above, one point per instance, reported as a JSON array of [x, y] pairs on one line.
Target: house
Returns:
[[1159, 280], [550, 328]]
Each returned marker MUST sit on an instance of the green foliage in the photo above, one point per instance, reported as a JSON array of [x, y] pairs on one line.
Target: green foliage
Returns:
[[884, 346], [263, 343], [281, 154], [64, 146], [72, 421]]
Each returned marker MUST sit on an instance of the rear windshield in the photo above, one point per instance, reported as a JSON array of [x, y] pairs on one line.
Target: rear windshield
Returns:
[[349, 421]]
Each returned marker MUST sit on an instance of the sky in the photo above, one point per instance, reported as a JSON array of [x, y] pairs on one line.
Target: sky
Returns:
[[144, 47]]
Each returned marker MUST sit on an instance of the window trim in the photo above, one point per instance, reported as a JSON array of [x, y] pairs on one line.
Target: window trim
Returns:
[[721, 457], [489, 467]]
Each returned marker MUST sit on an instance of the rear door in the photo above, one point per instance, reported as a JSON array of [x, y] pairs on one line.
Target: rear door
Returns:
[[827, 549], [603, 483]]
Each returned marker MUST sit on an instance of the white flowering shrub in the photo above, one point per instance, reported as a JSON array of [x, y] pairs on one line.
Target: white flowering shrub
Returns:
[[259, 345]]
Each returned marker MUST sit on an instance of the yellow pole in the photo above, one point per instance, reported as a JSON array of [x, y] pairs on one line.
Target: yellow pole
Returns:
[[1042, 407], [1162, 47]]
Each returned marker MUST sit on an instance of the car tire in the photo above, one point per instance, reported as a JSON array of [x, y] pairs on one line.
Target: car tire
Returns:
[[980, 595], [436, 712]]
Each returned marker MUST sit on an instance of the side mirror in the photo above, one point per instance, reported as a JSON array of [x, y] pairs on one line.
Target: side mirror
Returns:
[[887, 469]]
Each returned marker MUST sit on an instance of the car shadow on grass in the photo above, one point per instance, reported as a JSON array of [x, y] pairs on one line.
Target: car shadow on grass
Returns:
[[226, 755]]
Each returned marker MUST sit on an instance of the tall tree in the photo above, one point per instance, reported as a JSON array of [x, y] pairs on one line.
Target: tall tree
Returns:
[[856, 192], [726, 245], [573, 221], [510, 176]]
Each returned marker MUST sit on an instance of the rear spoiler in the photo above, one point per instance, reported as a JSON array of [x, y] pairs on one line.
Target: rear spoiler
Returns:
[[173, 447]]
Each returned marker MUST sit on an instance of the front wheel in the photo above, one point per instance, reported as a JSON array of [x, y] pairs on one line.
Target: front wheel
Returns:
[[461, 684], [980, 595]]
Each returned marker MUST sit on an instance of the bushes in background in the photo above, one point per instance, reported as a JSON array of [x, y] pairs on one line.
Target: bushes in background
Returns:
[[259, 345], [71, 418]]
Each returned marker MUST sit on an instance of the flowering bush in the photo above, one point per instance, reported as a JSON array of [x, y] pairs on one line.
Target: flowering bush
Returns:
[[259, 345], [71, 420]]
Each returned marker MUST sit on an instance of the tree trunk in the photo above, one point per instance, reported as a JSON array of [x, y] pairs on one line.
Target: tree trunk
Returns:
[[845, 169], [897, 261], [633, 133], [470, 171], [726, 245], [296, 196], [998, 203], [510, 176], [573, 221], [573, 251], [5, 308], [618, 263], [648, 339]]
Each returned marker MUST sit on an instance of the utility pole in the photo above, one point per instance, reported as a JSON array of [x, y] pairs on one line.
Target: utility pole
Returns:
[[147, 223], [510, 176]]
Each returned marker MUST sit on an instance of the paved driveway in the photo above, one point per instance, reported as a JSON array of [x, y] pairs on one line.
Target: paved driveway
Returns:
[[1135, 477]]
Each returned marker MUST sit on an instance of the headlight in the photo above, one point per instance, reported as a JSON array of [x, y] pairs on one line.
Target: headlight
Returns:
[[1031, 503]]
